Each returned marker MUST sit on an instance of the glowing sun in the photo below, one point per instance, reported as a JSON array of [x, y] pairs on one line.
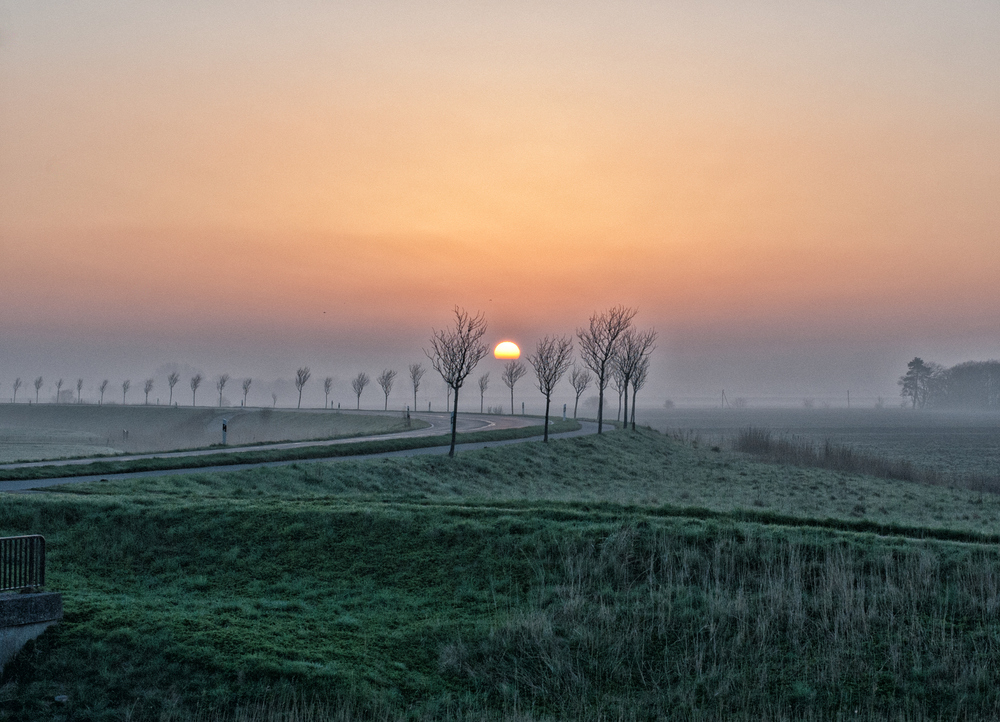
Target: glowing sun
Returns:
[[506, 350]]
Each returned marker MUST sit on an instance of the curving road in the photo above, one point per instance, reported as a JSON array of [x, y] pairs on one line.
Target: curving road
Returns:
[[439, 423]]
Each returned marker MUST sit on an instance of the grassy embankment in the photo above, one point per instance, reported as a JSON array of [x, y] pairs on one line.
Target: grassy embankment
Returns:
[[621, 577], [259, 456]]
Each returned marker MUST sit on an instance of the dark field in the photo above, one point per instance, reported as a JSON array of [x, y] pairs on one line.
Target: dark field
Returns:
[[954, 442], [54, 431]]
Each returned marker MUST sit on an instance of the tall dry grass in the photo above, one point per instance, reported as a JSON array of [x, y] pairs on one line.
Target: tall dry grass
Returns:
[[657, 625], [797, 451]]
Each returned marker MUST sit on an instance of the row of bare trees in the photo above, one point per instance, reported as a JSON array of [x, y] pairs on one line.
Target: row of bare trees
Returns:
[[610, 346], [611, 349]]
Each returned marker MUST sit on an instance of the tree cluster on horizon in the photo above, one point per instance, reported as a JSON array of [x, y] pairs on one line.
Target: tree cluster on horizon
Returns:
[[968, 385]]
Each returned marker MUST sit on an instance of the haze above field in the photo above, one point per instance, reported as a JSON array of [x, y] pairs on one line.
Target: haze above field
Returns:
[[799, 197]]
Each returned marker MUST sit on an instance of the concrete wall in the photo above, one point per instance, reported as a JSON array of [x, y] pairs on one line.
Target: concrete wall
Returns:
[[23, 617]]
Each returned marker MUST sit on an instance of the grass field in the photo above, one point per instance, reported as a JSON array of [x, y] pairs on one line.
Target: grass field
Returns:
[[622, 577], [54, 431], [949, 441]]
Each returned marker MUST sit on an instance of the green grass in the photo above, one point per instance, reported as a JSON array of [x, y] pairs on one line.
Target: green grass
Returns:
[[259, 456], [620, 577]]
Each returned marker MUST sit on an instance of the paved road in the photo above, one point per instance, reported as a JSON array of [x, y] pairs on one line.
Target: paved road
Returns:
[[439, 423], [586, 427]]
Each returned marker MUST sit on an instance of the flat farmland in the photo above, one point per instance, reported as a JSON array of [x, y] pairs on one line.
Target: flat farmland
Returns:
[[954, 442], [52, 431]]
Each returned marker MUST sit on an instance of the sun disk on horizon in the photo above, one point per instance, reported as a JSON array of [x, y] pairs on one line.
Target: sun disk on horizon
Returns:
[[507, 350]]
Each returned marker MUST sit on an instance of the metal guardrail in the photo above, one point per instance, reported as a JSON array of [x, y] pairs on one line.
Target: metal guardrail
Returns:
[[22, 562]]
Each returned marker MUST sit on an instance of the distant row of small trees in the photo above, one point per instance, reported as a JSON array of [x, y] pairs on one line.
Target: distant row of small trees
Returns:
[[970, 385], [611, 348]]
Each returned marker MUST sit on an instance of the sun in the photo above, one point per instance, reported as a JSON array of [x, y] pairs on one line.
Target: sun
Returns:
[[506, 350]]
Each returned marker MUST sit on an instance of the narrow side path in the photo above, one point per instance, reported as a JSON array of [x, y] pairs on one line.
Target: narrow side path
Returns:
[[586, 427]]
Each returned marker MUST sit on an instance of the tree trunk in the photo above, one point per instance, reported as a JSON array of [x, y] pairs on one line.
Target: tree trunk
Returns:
[[633, 409], [481, 397], [600, 411], [414, 401], [386, 402], [511, 400], [575, 404], [625, 416], [454, 425], [359, 402], [545, 435], [300, 400]]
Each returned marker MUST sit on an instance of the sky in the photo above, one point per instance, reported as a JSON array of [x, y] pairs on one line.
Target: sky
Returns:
[[798, 196]]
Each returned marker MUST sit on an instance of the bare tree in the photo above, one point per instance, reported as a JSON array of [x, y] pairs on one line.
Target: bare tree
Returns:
[[417, 372], [126, 384], [246, 389], [635, 347], [327, 385], [579, 379], [146, 388], [17, 385], [38, 387], [79, 391], [59, 384], [513, 370], [484, 383], [551, 359], [358, 384], [620, 383], [172, 378], [454, 354], [195, 383], [385, 380], [598, 346], [638, 381], [301, 376], [221, 384], [102, 388]]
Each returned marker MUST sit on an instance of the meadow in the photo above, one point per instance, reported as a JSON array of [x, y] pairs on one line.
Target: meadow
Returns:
[[630, 576], [950, 441], [55, 431]]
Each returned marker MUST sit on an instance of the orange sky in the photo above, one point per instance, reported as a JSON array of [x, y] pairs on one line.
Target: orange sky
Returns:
[[322, 182]]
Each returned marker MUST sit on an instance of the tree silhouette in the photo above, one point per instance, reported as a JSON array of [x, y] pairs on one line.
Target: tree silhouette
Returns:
[[327, 385], [79, 391], [220, 385], [579, 379], [38, 386], [358, 384], [102, 388], [59, 384], [274, 399], [634, 349], [125, 387], [638, 381], [454, 354], [417, 372], [484, 383], [195, 383], [301, 376], [246, 389], [598, 345], [172, 378], [513, 370], [551, 359], [385, 380], [146, 388], [17, 385], [917, 380]]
